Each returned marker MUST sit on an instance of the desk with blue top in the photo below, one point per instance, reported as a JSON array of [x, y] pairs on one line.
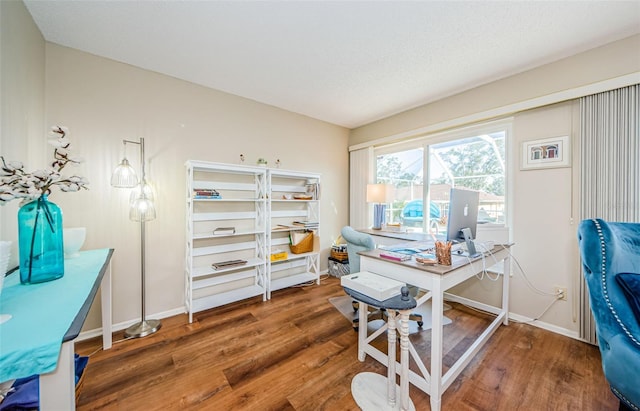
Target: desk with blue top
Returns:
[[46, 319]]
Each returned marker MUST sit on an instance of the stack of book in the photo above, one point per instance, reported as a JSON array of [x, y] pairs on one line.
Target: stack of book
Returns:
[[308, 225], [205, 193], [228, 264], [224, 231]]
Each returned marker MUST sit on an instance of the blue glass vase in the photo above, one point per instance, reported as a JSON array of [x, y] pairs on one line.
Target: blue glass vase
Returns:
[[40, 241]]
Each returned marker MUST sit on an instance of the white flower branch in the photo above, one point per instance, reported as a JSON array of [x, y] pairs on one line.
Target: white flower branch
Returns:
[[17, 183]]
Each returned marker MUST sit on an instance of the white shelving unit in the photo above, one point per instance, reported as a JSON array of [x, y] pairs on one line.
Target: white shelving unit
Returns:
[[243, 205], [284, 208]]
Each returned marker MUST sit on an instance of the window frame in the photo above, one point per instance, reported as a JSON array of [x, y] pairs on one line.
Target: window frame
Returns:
[[424, 142]]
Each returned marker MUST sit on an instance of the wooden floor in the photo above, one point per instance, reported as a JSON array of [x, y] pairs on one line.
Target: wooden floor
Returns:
[[297, 352]]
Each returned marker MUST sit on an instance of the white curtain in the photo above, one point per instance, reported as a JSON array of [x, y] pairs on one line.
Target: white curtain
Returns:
[[610, 168], [360, 174]]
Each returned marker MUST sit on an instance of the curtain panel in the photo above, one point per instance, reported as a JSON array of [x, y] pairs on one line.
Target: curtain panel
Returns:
[[609, 168]]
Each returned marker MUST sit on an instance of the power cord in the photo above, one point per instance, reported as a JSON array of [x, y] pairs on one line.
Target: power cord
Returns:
[[558, 295]]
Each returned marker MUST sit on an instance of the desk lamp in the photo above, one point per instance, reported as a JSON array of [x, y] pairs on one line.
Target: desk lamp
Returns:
[[377, 194], [142, 209]]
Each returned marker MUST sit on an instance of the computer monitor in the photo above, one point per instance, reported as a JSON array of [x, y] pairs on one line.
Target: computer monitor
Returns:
[[463, 217]]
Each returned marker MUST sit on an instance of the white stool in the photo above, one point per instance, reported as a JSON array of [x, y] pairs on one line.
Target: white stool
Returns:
[[368, 389]]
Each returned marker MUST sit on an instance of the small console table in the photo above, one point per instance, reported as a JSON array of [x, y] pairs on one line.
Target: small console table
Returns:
[[46, 319]]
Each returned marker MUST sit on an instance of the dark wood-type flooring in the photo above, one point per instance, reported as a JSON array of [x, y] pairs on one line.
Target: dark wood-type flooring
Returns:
[[297, 352]]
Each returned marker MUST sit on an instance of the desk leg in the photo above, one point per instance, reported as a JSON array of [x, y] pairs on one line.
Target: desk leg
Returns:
[[58, 388], [362, 329], [105, 296], [506, 276], [437, 300]]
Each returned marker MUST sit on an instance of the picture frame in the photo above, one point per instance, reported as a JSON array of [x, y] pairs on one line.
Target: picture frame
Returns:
[[551, 152]]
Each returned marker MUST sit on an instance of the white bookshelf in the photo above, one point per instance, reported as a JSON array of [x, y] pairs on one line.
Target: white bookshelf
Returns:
[[284, 209], [243, 205]]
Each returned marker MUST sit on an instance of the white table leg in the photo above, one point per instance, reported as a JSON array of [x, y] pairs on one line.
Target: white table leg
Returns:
[[105, 297], [391, 354], [58, 388], [437, 300], [362, 329], [505, 288]]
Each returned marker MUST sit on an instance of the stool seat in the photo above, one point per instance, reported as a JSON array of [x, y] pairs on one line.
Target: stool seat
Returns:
[[399, 302]]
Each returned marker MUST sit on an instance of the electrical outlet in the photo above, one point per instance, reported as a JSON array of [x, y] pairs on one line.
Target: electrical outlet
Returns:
[[561, 292]]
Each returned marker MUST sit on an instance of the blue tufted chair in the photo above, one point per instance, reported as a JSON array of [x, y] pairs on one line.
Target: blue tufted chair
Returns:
[[356, 242], [611, 261]]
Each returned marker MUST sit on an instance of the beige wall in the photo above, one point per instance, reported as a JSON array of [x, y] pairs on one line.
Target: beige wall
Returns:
[[103, 102], [543, 203], [22, 56]]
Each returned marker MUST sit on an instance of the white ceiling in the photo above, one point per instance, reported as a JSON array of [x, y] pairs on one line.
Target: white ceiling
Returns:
[[344, 62]]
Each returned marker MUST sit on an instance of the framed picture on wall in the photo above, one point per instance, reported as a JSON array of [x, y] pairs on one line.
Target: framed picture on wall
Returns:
[[546, 153]]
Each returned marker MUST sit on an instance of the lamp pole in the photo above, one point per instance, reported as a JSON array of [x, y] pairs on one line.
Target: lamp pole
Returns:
[[144, 327]]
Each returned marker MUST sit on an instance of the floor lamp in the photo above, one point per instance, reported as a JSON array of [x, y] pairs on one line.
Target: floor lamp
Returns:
[[142, 210]]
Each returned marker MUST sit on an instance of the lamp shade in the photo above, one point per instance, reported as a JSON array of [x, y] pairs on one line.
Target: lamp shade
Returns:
[[378, 193], [124, 176], [142, 209]]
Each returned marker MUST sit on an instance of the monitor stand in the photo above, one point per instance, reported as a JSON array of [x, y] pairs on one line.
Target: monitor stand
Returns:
[[471, 248]]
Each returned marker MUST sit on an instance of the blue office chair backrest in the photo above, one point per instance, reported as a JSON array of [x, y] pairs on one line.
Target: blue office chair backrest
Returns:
[[356, 241], [611, 263]]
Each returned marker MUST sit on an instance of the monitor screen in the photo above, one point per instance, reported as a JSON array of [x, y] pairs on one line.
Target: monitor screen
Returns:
[[463, 213]]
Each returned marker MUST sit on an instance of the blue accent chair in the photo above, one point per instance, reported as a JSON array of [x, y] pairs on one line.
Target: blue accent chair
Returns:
[[610, 255]]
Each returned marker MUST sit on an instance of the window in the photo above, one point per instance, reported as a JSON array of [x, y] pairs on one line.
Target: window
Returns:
[[472, 159]]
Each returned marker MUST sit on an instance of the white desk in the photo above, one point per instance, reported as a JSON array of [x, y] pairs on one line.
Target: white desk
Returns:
[[435, 280], [43, 321]]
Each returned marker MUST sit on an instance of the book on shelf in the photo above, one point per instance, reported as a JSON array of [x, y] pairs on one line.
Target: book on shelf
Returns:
[[309, 225], [206, 193], [224, 230], [228, 264]]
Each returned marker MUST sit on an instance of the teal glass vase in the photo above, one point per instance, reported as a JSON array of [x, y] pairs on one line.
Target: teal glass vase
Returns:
[[40, 241]]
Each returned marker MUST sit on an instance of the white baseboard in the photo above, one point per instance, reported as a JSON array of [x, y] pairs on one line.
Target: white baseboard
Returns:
[[85, 335], [545, 326]]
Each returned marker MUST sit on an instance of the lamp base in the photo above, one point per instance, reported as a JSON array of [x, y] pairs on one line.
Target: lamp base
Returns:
[[142, 329]]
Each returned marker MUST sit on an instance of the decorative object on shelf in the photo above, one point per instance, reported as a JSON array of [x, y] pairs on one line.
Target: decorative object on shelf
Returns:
[[304, 245], [278, 163], [312, 188], [5, 255], [378, 195], [73, 241], [39, 220], [261, 162], [142, 209]]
